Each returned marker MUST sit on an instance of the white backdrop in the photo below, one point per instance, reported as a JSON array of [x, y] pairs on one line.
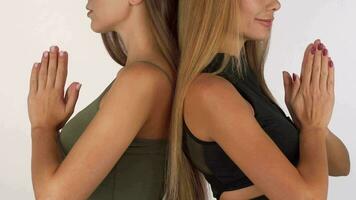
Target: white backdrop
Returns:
[[30, 27]]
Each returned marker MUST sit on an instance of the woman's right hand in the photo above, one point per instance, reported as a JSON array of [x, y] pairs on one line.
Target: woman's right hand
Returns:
[[312, 97]]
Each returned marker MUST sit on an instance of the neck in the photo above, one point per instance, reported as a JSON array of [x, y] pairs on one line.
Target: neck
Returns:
[[137, 36]]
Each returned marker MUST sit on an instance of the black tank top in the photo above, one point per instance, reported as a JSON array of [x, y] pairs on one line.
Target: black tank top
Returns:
[[219, 170]]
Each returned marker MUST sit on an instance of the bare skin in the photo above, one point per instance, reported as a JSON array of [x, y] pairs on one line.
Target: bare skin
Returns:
[[337, 154], [136, 106], [132, 24], [156, 126]]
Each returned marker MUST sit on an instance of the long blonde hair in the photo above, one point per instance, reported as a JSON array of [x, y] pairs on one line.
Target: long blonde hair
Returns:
[[163, 15], [202, 29]]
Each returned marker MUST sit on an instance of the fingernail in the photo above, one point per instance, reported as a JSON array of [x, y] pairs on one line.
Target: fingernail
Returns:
[[78, 86], [325, 52], [331, 64], [53, 48], [61, 53], [45, 54], [313, 50], [294, 77], [320, 46]]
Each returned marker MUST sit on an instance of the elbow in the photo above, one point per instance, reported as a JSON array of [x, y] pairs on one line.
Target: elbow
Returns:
[[346, 170], [341, 171], [344, 166]]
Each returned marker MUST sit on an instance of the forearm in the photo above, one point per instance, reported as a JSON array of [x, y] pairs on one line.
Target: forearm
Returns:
[[313, 163], [338, 156], [46, 157]]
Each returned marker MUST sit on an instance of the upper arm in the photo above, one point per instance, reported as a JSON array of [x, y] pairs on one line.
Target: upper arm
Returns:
[[223, 115], [119, 119]]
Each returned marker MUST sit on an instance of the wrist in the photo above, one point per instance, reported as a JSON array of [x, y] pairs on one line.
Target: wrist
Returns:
[[43, 130], [315, 130]]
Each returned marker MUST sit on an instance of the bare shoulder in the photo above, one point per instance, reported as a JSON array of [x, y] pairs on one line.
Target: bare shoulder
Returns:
[[142, 73], [210, 96], [138, 80]]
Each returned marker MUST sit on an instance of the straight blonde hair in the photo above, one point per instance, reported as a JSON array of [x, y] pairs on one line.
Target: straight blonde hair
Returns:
[[203, 26]]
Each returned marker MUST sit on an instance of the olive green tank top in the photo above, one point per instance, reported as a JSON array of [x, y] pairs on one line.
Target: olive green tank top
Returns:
[[139, 173]]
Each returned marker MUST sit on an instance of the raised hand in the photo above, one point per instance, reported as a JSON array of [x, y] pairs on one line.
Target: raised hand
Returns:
[[310, 99], [47, 108]]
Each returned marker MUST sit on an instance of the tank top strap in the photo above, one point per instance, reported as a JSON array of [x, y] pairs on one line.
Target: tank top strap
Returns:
[[214, 63], [106, 89]]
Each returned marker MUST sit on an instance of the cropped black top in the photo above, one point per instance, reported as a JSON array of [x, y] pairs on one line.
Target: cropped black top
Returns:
[[218, 169]]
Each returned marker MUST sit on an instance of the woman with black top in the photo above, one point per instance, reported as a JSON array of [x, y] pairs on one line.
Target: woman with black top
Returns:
[[227, 126]]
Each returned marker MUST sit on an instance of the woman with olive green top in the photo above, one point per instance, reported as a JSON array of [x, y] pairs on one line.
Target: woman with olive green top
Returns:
[[115, 148], [139, 174]]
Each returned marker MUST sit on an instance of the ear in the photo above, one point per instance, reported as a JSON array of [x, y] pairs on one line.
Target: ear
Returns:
[[135, 2]]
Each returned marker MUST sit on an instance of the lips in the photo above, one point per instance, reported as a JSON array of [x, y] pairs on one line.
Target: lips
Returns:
[[266, 20], [88, 8], [89, 11]]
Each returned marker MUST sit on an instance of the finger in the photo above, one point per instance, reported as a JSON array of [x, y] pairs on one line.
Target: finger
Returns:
[[305, 58], [331, 77], [42, 77], [52, 66], [287, 82], [296, 86], [62, 71], [324, 70], [317, 42], [72, 97], [33, 78], [306, 71], [315, 76]]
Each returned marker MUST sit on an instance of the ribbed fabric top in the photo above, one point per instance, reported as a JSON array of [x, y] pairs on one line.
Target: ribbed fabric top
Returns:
[[139, 173], [219, 170]]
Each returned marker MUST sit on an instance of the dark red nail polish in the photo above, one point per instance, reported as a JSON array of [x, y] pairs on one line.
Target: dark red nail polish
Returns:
[[325, 52], [313, 50], [320, 46], [331, 64]]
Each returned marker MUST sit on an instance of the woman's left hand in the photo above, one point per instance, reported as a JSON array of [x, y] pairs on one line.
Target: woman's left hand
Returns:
[[289, 87], [47, 108]]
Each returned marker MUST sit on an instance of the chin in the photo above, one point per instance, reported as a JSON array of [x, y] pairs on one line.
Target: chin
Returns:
[[258, 33], [99, 29], [258, 38]]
